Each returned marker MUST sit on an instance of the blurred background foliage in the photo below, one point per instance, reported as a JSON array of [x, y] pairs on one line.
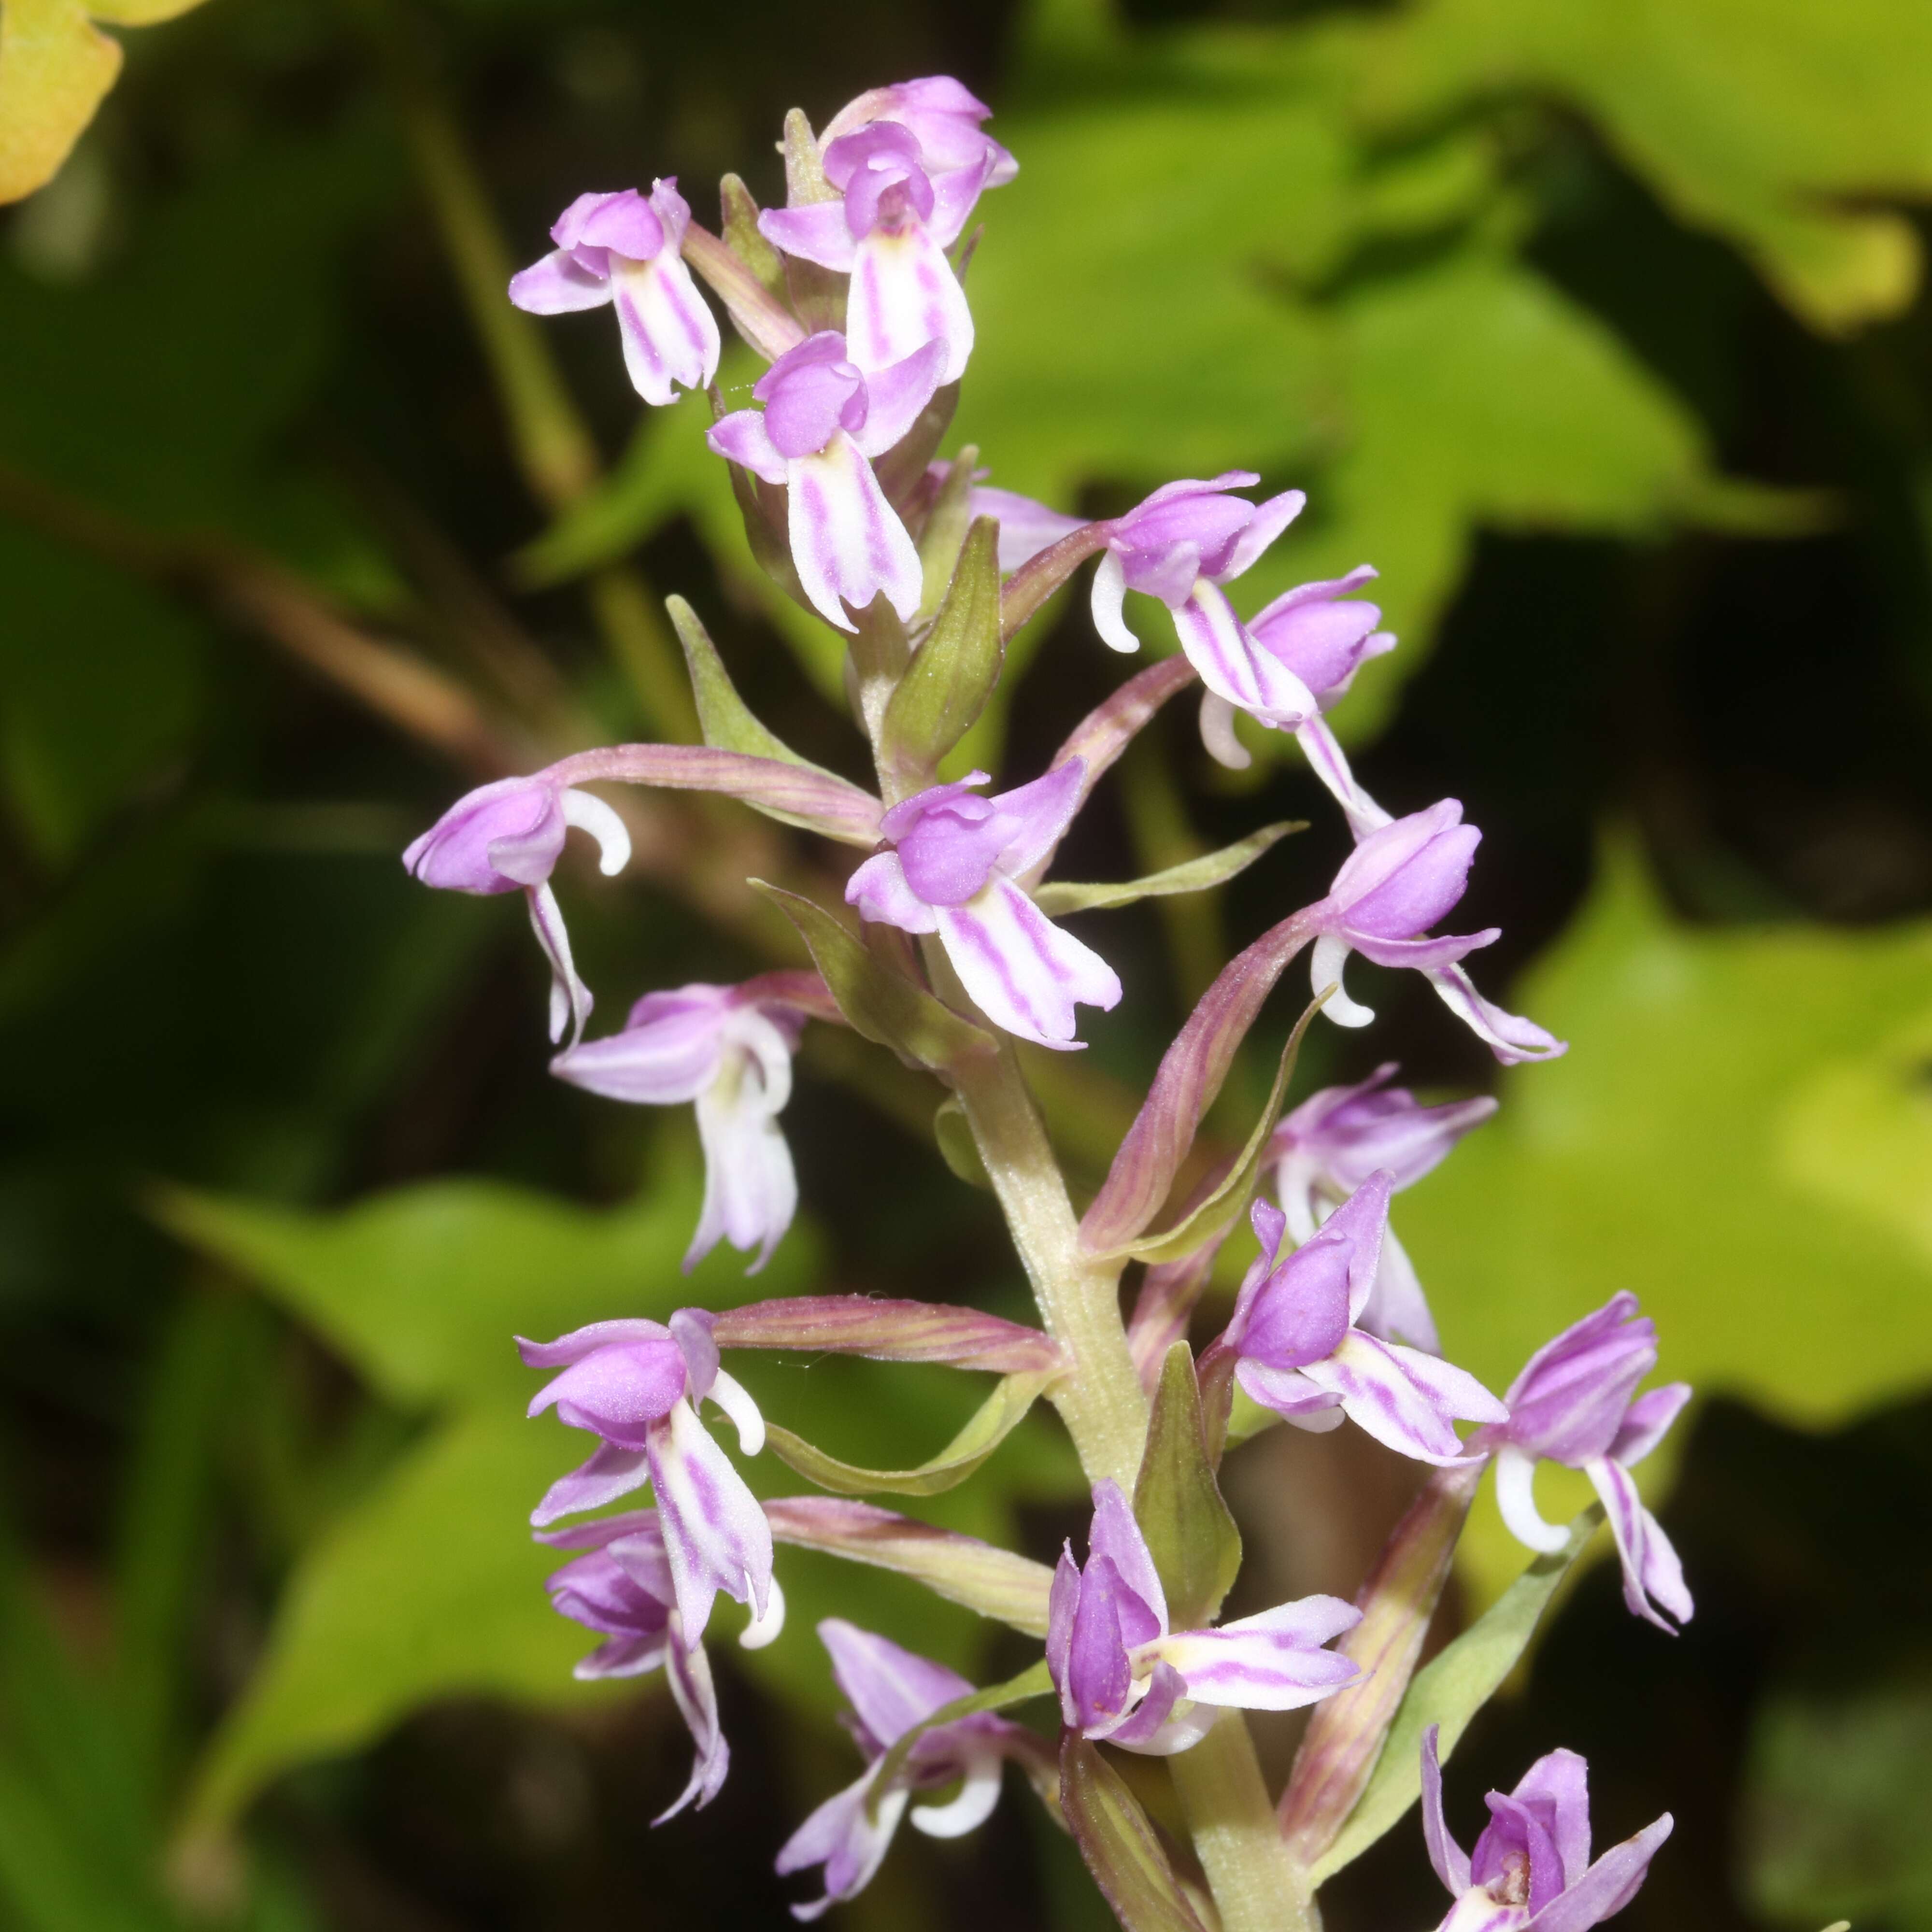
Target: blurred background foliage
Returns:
[[1600, 329]]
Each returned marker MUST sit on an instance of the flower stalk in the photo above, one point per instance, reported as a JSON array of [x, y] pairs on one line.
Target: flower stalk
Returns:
[[851, 295]]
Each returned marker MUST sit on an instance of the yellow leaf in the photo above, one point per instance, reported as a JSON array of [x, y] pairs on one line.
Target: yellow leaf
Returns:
[[54, 69]]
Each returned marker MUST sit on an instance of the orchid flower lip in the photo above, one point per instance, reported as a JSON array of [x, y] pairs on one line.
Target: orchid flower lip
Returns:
[[1576, 1403], [1126, 1676], [953, 871]]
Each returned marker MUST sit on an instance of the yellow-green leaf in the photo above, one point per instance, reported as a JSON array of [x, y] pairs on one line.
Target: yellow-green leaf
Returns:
[[990, 1425], [1740, 1132]]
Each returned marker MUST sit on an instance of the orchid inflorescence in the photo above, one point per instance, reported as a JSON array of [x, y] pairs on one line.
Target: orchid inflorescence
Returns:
[[852, 296]]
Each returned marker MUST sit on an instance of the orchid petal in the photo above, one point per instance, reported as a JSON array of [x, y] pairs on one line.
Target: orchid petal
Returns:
[[670, 335], [689, 1670], [1397, 1310], [1043, 810], [1292, 1396], [815, 233], [1252, 1667], [1026, 527], [1326, 960], [611, 1472], [879, 889], [1608, 1886], [904, 295], [1116, 1535], [1024, 973], [1109, 596], [1270, 519], [1327, 760], [1383, 1399], [558, 285], [1427, 955], [1149, 1727], [1232, 666], [1647, 1422], [848, 1838], [1653, 1575], [979, 1793], [1414, 895], [735, 1399], [618, 1391], [716, 1535], [1511, 1038], [889, 1688], [1515, 1498], [742, 438], [896, 393], [657, 1064], [956, 191], [847, 542], [574, 1347], [1450, 1861], [1556, 1789], [570, 1000], [1063, 1607], [1217, 733]]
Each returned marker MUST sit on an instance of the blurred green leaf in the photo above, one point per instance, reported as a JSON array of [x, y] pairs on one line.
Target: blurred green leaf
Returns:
[[431, 1586], [1839, 1785], [160, 385], [101, 678], [422, 1290], [76, 1837], [1738, 1134], [1776, 123], [1223, 199]]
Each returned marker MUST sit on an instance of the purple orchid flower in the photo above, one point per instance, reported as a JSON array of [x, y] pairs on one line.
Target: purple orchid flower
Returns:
[[730, 1050], [623, 249], [1331, 1145], [637, 1384], [891, 1690], [942, 113], [1285, 668], [1396, 884], [622, 1588], [1576, 1403], [911, 163], [824, 420], [1323, 636], [1530, 1869], [1300, 1348], [954, 872], [1181, 545], [507, 837], [1124, 1676]]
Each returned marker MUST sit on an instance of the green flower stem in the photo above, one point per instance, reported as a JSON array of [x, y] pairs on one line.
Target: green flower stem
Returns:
[[1101, 1400], [1257, 1887]]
